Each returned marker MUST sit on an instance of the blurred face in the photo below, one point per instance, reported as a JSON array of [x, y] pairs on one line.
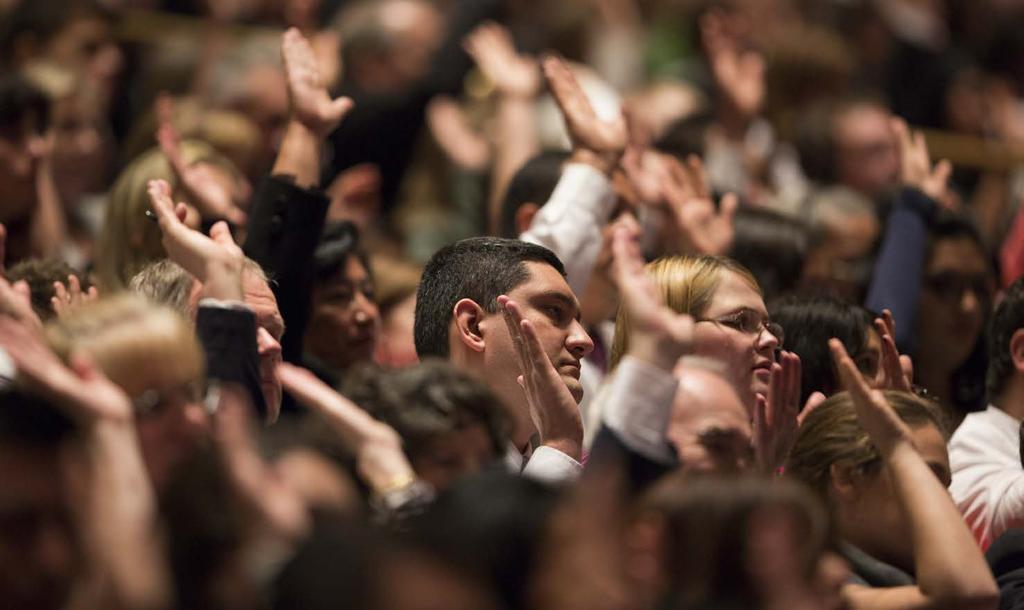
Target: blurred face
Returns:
[[172, 422], [345, 324], [747, 356], [842, 262], [454, 455], [81, 151], [88, 45], [546, 300], [955, 298], [397, 345], [21, 147], [418, 27], [38, 554], [869, 359], [710, 428], [871, 517], [866, 155], [269, 330]]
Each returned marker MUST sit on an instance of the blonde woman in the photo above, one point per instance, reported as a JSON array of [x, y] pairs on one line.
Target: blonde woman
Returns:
[[152, 354], [129, 239], [731, 326]]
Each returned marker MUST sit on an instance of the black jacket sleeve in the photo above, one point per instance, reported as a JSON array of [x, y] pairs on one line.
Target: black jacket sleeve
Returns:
[[284, 228], [228, 337]]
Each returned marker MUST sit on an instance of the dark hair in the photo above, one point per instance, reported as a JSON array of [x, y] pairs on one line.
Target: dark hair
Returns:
[[709, 526], [772, 246], [684, 137], [809, 322], [28, 420], [492, 525], [425, 401], [478, 268], [968, 382], [20, 99], [338, 242], [42, 21], [1007, 319], [40, 276], [534, 182]]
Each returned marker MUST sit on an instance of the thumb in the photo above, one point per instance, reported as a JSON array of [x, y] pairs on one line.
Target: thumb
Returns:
[[181, 212], [221, 234], [342, 106], [728, 206], [813, 402]]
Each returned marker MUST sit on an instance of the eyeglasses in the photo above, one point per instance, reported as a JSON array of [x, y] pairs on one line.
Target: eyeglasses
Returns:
[[153, 401], [749, 322]]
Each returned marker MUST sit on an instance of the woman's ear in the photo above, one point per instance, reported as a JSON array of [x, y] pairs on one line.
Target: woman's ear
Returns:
[[467, 316], [843, 482]]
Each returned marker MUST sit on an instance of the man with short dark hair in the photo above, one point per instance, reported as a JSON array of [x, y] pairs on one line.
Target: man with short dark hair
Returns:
[[459, 316], [985, 451]]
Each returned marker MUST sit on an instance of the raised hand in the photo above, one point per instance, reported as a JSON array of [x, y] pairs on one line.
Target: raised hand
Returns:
[[450, 127], [200, 181], [380, 461], [657, 334], [602, 141], [16, 303], [776, 415], [67, 298], [273, 509], [85, 394], [916, 168], [311, 104], [216, 261], [699, 227], [738, 73], [883, 425], [553, 408], [894, 366], [492, 48]]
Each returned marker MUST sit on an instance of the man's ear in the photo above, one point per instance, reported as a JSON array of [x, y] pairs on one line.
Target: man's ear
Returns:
[[1017, 350], [524, 217], [467, 316]]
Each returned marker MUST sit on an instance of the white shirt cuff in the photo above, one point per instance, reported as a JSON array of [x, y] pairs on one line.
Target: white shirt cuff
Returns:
[[638, 408], [550, 465]]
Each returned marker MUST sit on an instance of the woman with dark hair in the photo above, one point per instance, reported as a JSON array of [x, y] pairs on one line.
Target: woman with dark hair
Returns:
[[810, 322]]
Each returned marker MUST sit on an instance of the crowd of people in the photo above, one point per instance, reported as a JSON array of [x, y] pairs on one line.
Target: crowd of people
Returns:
[[511, 304]]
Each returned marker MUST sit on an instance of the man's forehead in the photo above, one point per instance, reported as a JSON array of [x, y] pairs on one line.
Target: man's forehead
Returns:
[[542, 279]]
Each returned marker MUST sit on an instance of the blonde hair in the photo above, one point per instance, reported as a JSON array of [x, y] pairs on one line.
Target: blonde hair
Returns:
[[687, 285], [129, 240], [126, 334]]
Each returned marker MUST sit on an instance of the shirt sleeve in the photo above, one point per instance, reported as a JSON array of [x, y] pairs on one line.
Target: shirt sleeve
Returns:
[[549, 465], [637, 408], [570, 223]]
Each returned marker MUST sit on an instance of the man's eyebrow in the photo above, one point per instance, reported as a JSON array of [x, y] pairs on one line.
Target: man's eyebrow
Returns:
[[564, 299]]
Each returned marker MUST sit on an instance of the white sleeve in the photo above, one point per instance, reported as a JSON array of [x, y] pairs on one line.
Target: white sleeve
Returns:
[[988, 485], [637, 407], [549, 465], [570, 223]]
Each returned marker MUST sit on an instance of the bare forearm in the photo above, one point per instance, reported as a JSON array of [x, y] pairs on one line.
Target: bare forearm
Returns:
[[121, 525], [516, 143], [299, 155], [949, 565]]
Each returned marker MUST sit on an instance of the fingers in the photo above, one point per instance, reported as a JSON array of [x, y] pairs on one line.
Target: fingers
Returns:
[[221, 234], [776, 392], [907, 366], [565, 88], [793, 371], [160, 198], [727, 208], [514, 321], [849, 377], [3, 248], [813, 402], [698, 176]]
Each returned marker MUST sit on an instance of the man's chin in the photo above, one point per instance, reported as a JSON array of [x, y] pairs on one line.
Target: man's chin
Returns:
[[575, 388]]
